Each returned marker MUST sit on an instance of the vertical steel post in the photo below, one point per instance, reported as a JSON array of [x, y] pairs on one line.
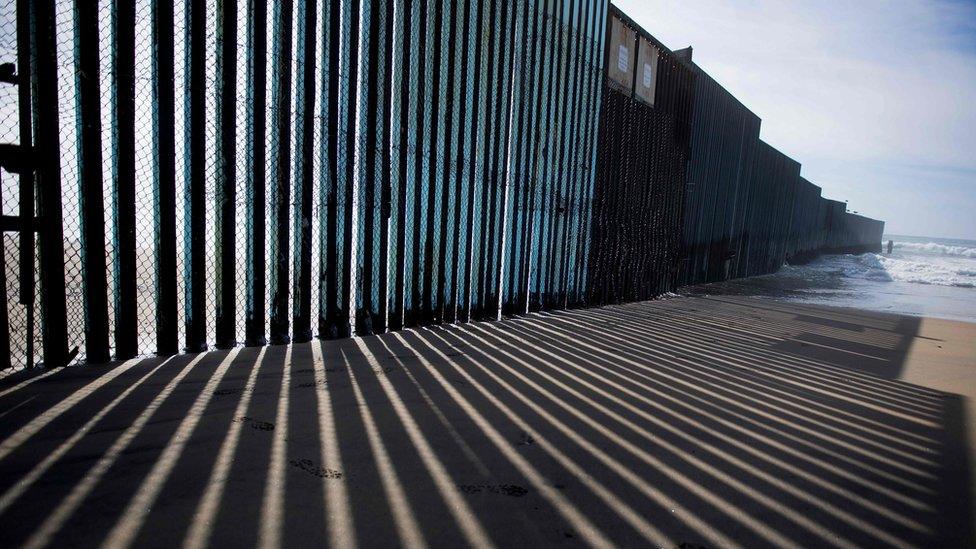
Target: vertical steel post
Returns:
[[572, 142], [441, 312], [538, 167], [48, 157], [539, 298], [225, 263], [463, 221], [593, 135], [343, 328], [329, 95], [256, 52], [514, 105], [27, 202], [498, 158], [194, 190], [517, 183], [397, 315], [92, 188], [467, 299], [578, 140], [431, 188], [280, 172], [367, 264], [386, 166], [124, 187], [4, 321], [558, 220], [164, 177], [533, 138], [486, 202], [417, 282], [330, 269], [304, 124]]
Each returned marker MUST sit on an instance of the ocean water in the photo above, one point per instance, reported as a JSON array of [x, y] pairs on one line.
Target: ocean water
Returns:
[[922, 276]]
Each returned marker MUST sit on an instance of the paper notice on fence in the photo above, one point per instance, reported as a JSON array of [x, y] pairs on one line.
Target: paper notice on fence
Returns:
[[623, 58]]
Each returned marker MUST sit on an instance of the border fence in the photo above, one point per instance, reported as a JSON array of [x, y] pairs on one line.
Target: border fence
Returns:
[[192, 175], [747, 210], [642, 162], [723, 149]]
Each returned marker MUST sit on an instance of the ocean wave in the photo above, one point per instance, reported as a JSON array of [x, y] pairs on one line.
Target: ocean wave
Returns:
[[935, 248], [886, 268]]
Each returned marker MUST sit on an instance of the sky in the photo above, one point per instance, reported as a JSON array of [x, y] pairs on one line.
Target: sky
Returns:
[[876, 98]]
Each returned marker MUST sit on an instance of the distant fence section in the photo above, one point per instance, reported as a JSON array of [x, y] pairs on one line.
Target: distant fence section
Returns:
[[747, 210], [189, 175]]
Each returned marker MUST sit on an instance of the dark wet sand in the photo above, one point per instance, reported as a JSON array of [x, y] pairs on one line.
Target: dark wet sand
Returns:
[[703, 421]]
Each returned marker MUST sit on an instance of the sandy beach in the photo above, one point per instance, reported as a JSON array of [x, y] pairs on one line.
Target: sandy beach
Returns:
[[687, 422]]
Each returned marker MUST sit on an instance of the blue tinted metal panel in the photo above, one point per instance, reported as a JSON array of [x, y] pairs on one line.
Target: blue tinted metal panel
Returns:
[[578, 120], [463, 205], [435, 160], [279, 163], [410, 139], [520, 186], [449, 206], [420, 283], [301, 309], [475, 170], [544, 160], [347, 185], [368, 189], [480, 165], [401, 166]]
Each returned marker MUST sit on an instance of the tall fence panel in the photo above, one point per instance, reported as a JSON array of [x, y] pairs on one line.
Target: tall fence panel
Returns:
[[807, 231], [641, 170], [763, 245], [725, 135]]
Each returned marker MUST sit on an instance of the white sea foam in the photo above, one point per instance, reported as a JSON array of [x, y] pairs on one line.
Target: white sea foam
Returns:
[[925, 272], [935, 248], [915, 269], [927, 277]]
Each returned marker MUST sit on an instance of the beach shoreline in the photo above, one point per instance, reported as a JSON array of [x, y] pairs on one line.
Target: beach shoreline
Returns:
[[922, 277]]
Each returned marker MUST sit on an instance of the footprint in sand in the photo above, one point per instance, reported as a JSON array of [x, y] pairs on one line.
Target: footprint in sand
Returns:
[[256, 424], [311, 468], [512, 490]]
